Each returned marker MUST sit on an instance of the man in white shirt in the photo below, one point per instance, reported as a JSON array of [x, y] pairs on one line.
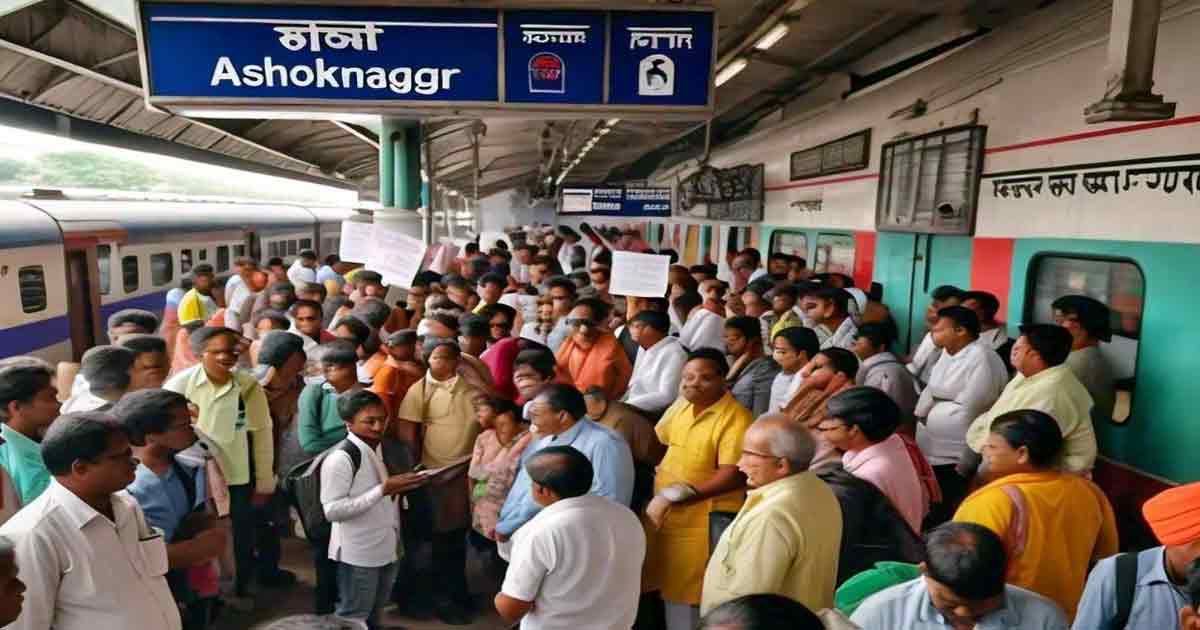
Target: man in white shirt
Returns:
[[702, 326], [361, 503], [927, 354], [659, 366], [106, 369], [304, 270], [85, 553], [578, 563], [239, 290], [966, 381]]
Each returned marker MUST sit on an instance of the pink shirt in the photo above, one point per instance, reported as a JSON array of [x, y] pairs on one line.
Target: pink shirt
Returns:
[[888, 466]]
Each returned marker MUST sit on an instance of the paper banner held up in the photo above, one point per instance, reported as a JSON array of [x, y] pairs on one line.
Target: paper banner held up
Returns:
[[396, 256], [640, 275], [356, 241]]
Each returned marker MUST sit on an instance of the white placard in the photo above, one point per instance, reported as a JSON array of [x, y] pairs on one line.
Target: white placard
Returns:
[[395, 255], [356, 241], [640, 275]]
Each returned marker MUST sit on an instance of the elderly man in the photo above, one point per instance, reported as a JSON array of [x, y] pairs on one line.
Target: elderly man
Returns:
[[659, 366], [1032, 504], [578, 563], [558, 413], [1045, 383], [786, 538], [698, 476], [591, 355], [962, 587], [966, 381], [1153, 579]]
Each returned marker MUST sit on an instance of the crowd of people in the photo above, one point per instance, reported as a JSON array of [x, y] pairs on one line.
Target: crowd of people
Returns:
[[745, 451]]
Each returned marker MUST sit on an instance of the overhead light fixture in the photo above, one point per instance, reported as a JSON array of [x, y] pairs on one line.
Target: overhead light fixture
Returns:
[[731, 70], [772, 37], [612, 122]]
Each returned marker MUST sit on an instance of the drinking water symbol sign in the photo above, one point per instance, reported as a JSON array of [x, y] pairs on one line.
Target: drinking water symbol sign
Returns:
[[384, 59]]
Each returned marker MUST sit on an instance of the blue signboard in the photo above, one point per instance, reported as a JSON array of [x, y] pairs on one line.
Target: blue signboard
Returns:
[[625, 202], [647, 202], [381, 58], [315, 52], [554, 57], [654, 56]]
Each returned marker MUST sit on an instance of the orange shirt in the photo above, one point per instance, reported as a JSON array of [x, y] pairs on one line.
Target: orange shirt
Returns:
[[604, 365], [393, 381]]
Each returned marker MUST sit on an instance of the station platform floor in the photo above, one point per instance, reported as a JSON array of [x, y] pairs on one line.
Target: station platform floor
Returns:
[[272, 605]]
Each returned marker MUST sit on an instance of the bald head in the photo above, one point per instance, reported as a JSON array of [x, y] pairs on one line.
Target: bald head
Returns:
[[783, 437], [562, 470]]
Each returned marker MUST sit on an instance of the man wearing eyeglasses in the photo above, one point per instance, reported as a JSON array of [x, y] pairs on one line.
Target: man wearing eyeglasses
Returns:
[[785, 539], [591, 355]]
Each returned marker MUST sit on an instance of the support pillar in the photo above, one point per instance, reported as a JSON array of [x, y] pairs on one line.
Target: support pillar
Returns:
[[1132, 41]]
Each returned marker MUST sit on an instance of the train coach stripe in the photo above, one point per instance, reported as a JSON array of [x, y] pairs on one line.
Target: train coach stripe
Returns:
[[1086, 135]]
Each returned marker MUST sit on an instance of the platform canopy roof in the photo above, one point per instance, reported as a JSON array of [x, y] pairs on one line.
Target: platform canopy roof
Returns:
[[79, 60]]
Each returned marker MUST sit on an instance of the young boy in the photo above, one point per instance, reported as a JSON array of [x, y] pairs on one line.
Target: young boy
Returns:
[[318, 423], [361, 504]]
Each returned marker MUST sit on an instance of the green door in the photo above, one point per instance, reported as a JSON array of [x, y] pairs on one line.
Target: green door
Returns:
[[910, 266]]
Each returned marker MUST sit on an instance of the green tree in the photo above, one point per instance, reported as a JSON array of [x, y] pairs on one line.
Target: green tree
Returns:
[[94, 170], [15, 171]]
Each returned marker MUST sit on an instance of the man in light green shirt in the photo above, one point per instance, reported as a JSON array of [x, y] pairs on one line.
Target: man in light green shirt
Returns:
[[787, 536], [28, 404], [1046, 384], [235, 419]]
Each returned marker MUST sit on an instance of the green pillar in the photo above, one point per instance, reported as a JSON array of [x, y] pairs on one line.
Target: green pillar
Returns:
[[400, 164]]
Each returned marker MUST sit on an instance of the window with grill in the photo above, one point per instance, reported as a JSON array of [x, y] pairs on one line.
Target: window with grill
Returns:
[[930, 183], [32, 281], [789, 242], [223, 258], [306, 243], [162, 269], [851, 153], [292, 248], [129, 273], [834, 254], [272, 249], [203, 254], [104, 267], [1119, 284], [239, 251], [185, 260]]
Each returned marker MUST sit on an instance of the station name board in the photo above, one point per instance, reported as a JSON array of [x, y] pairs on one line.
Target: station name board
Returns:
[[385, 59], [625, 202]]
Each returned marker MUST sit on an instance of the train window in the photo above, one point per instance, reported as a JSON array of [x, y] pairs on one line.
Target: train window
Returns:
[[1118, 283], [788, 242], [33, 288], [834, 254], [129, 273], [185, 260], [104, 267], [239, 251], [272, 249], [223, 258], [930, 183], [306, 243], [292, 248], [203, 254], [161, 269]]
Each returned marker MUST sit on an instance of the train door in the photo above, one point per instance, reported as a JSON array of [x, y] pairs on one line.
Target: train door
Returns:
[[910, 266], [83, 306]]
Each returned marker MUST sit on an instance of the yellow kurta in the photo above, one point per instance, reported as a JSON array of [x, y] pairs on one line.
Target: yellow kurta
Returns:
[[1068, 524], [785, 541], [677, 554], [446, 410]]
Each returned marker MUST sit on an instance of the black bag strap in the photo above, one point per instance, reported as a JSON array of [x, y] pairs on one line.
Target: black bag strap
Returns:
[[188, 480], [351, 449], [1126, 578]]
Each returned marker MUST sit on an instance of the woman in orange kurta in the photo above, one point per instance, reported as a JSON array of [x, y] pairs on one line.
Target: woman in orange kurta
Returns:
[[592, 355]]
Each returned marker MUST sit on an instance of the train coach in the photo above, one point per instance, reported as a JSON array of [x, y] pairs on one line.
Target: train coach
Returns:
[[67, 264]]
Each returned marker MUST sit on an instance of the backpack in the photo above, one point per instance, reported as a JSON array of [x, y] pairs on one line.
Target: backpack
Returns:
[[302, 487], [872, 530], [1126, 576]]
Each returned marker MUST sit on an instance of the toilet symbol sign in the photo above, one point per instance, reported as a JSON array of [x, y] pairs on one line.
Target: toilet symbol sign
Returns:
[[656, 76]]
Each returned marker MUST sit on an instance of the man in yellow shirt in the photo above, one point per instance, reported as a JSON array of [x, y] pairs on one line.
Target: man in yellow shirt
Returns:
[[787, 537], [1053, 523], [1044, 382], [703, 433], [198, 303]]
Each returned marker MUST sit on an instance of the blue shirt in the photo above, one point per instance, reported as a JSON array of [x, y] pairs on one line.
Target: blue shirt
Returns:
[[907, 606], [1156, 600], [327, 273], [21, 457], [164, 499], [611, 460]]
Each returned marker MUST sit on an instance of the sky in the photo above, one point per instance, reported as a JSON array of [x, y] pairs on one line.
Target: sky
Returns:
[[26, 145]]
